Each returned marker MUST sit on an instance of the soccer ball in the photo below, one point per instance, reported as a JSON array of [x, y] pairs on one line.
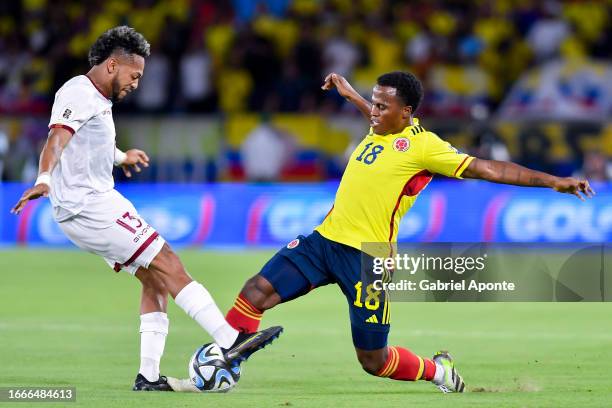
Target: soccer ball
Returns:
[[209, 371]]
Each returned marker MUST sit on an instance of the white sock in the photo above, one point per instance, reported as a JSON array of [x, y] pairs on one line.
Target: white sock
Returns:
[[195, 300], [153, 332], [438, 377]]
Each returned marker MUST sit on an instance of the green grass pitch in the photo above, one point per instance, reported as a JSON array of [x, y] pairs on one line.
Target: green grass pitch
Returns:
[[67, 319]]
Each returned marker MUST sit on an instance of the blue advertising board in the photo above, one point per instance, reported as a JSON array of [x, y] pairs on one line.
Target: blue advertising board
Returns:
[[273, 214]]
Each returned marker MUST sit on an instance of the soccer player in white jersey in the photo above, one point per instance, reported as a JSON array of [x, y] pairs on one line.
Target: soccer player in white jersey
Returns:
[[75, 172]]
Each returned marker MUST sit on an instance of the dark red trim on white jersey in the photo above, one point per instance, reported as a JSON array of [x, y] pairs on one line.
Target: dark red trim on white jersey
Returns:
[[96, 86], [60, 126], [140, 250], [127, 227]]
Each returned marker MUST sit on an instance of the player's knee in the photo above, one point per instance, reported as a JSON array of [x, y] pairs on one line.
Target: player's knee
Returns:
[[260, 293], [371, 362]]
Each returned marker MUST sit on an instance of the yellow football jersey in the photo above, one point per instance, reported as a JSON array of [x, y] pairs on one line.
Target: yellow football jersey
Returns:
[[382, 180]]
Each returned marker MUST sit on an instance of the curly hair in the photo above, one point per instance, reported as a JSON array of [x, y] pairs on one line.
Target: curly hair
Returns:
[[123, 39], [408, 86]]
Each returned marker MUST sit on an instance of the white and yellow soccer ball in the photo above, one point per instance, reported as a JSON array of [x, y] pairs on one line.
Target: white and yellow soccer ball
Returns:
[[209, 372]]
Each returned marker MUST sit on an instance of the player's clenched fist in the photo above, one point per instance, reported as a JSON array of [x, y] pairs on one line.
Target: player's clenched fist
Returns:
[[39, 190]]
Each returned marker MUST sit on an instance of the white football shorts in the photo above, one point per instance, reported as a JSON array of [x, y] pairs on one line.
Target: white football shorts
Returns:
[[110, 226]]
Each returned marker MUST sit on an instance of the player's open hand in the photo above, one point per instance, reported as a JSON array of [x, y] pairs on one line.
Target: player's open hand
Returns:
[[337, 81], [40, 190], [570, 185], [134, 158]]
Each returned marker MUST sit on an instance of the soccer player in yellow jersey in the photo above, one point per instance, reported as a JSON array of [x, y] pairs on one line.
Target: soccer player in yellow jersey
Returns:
[[386, 172]]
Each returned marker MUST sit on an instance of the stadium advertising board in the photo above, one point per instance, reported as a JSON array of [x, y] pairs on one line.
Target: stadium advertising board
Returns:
[[272, 215]]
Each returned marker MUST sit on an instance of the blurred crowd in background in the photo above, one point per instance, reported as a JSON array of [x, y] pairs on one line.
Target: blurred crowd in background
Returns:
[[479, 61]]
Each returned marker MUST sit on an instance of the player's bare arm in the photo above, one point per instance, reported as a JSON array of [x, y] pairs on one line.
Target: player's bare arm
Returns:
[[512, 173], [50, 155], [345, 89]]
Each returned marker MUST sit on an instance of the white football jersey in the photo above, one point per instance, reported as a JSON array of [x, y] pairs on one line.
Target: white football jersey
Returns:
[[85, 167]]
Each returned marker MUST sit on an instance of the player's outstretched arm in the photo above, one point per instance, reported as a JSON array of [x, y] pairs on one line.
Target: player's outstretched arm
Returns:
[[512, 173], [345, 89], [50, 155]]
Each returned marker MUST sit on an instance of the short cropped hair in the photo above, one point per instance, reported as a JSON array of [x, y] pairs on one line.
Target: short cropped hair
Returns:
[[408, 86], [123, 39]]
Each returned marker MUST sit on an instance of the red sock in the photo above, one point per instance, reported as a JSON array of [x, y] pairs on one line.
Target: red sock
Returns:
[[244, 316], [403, 365]]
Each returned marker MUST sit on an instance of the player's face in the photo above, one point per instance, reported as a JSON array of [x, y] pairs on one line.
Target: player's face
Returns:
[[389, 114], [128, 71]]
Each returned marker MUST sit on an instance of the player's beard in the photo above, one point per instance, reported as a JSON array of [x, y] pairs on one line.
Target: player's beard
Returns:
[[116, 90]]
